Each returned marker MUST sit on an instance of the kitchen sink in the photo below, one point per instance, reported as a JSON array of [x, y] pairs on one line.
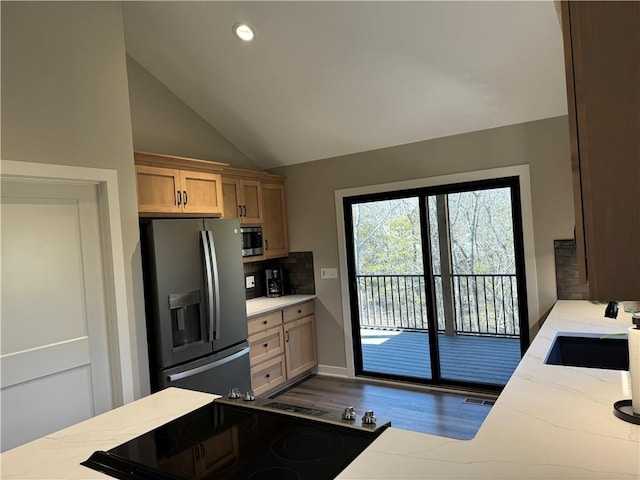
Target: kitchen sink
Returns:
[[590, 351]]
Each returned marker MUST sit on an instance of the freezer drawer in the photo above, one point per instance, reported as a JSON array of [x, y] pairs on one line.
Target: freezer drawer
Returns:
[[216, 373]]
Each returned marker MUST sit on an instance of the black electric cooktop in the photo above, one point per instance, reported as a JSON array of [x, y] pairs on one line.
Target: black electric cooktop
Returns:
[[231, 440]]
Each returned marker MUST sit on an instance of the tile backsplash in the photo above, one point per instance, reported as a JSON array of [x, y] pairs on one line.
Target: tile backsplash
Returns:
[[567, 283], [297, 271]]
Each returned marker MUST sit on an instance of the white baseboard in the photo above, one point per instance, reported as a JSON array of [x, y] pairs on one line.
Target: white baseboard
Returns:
[[331, 371]]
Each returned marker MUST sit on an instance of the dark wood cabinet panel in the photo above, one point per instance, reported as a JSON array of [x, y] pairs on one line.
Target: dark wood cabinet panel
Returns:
[[602, 57]]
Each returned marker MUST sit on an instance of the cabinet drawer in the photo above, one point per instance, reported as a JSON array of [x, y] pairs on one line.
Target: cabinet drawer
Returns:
[[265, 322], [264, 346], [267, 375], [298, 311]]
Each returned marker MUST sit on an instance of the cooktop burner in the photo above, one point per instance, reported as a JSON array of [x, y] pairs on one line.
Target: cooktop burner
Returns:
[[231, 439]]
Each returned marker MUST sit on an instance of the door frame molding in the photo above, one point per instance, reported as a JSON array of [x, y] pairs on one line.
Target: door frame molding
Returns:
[[118, 325], [520, 171]]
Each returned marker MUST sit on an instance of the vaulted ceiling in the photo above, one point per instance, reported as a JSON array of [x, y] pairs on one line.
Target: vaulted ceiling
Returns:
[[323, 79]]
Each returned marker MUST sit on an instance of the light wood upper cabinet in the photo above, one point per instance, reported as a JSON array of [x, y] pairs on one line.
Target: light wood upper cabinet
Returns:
[[201, 192], [168, 185], [275, 233], [157, 189], [242, 197], [602, 49]]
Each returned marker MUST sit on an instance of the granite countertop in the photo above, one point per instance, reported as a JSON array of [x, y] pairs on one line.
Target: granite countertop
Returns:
[[550, 422], [260, 305]]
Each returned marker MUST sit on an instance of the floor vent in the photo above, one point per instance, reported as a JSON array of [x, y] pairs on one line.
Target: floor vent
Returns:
[[479, 401]]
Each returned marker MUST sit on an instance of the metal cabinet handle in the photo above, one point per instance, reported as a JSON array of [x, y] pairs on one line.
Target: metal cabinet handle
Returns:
[[189, 373], [239, 210], [179, 198], [244, 207], [286, 332], [184, 192], [266, 244]]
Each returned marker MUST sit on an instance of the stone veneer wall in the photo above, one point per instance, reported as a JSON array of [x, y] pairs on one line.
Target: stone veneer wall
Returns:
[[297, 270], [567, 284]]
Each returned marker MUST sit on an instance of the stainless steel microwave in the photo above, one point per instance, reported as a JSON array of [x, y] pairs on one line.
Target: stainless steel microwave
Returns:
[[251, 241]]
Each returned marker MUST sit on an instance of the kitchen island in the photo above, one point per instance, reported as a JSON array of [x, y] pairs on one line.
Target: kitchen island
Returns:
[[550, 422]]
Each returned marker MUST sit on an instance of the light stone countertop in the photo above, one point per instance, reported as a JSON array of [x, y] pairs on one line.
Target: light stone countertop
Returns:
[[58, 455], [550, 422], [260, 305]]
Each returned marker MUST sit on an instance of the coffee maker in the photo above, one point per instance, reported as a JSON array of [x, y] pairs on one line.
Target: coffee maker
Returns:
[[275, 286]]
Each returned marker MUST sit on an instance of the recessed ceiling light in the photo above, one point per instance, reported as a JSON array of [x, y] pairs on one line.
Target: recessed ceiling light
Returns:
[[243, 32]]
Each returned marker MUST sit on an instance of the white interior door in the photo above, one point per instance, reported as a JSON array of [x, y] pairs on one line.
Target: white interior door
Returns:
[[54, 341]]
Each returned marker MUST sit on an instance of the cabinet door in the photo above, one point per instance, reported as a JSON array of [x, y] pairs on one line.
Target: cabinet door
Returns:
[[251, 201], [201, 192], [231, 198], [300, 346], [274, 228], [603, 74], [158, 189]]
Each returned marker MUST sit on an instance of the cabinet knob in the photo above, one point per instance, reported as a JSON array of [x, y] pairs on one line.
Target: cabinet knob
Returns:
[[299, 311], [266, 345], [268, 375], [264, 322]]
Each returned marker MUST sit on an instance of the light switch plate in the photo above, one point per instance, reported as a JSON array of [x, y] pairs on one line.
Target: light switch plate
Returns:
[[250, 281], [328, 273]]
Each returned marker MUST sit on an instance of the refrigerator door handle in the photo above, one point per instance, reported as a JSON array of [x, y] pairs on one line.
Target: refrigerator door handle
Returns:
[[209, 282], [204, 368], [216, 285]]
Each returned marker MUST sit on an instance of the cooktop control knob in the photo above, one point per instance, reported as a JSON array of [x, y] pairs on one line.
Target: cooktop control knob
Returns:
[[234, 393], [349, 414], [368, 418], [248, 396]]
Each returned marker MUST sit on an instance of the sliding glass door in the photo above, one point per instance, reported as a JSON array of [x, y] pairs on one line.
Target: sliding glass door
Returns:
[[436, 281]]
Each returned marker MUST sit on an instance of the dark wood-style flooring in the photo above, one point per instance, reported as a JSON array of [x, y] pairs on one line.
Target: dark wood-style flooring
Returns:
[[446, 414]]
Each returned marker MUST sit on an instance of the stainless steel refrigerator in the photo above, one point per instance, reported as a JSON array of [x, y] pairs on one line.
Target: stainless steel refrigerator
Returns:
[[195, 304]]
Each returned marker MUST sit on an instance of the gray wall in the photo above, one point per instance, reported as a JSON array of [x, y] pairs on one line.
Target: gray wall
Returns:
[[162, 123], [65, 101], [544, 145]]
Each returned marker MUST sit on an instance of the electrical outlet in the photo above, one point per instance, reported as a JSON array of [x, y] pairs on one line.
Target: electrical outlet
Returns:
[[250, 281], [328, 273]]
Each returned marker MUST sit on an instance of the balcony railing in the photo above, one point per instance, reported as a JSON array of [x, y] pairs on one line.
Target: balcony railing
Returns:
[[482, 304]]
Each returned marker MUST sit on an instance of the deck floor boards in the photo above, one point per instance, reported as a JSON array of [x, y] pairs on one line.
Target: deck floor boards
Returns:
[[488, 360]]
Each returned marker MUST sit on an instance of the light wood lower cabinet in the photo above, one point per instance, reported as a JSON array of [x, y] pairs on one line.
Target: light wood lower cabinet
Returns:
[[300, 346], [268, 375], [266, 345], [282, 347]]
